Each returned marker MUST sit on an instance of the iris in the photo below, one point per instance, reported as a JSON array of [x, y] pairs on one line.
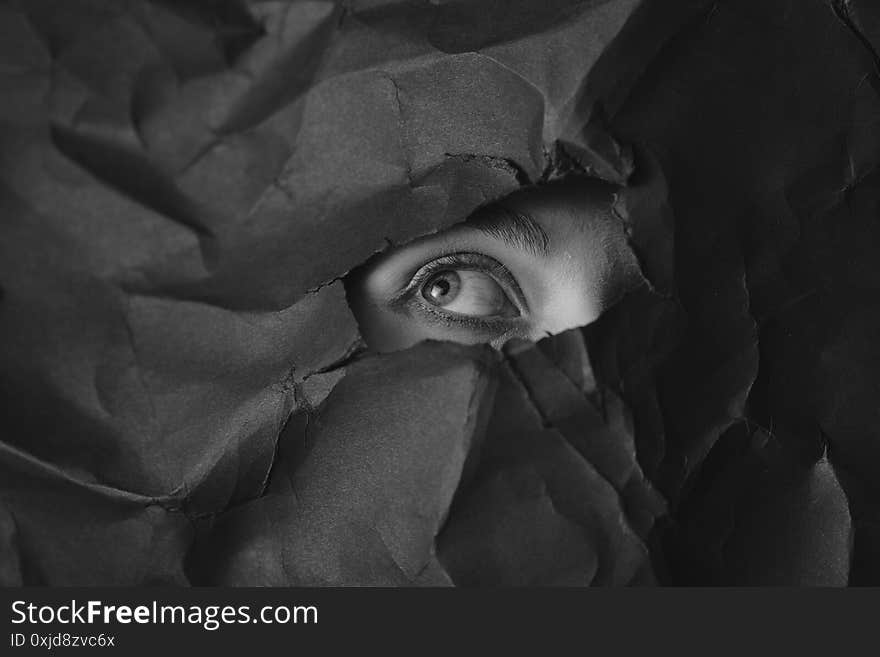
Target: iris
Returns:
[[443, 288]]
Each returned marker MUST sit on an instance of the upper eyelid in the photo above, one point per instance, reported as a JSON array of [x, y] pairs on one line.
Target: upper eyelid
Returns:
[[518, 230], [497, 223]]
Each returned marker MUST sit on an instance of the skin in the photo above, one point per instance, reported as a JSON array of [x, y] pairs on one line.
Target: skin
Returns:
[[558, 258]]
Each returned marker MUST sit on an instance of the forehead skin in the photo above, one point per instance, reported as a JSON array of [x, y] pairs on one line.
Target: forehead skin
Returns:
[[587, 241]]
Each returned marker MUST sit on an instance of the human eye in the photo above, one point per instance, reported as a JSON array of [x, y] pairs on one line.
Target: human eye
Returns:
[[464, 287], [532, 266], [444, 287]]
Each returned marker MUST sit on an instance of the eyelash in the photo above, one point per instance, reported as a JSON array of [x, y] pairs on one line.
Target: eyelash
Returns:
[[407, 299]]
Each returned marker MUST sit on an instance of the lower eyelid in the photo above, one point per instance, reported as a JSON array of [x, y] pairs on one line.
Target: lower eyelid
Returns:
[[485, 325]]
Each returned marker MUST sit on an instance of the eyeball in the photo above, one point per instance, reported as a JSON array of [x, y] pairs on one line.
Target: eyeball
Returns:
[[467, 292]]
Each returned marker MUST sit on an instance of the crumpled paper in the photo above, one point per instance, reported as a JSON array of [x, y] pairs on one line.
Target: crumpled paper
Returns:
[[183, 186]]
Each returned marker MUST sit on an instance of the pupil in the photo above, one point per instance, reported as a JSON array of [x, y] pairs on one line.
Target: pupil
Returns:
[[441, 288]]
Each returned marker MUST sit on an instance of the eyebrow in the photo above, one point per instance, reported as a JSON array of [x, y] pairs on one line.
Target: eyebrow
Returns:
[[516, 229]]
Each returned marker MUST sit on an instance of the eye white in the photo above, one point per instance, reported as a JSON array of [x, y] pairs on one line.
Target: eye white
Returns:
[[467, 292]]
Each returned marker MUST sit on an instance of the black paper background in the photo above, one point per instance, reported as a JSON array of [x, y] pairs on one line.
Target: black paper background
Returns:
[[185, 400]]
